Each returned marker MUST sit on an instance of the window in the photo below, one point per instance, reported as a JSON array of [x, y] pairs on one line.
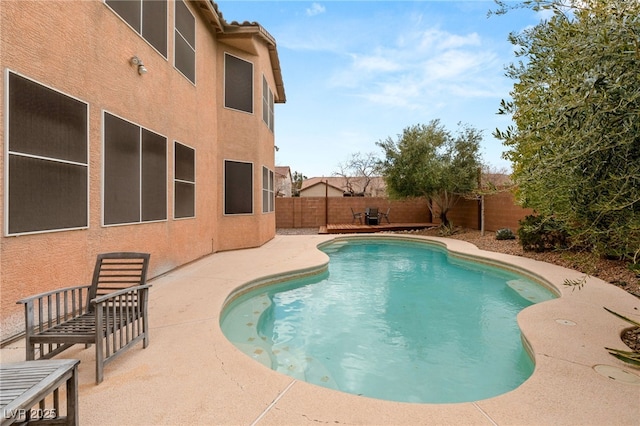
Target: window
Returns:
[[238, 84], [47, 159], [268, 194], [267, 104], [184, 182], [185, 41], [238, 187], [147, 17], [135, 173]]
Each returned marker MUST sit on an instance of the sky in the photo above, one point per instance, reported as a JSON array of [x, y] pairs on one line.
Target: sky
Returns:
[[359, 72]]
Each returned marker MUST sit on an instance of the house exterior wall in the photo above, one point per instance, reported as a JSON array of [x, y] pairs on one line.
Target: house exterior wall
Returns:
[[358, 186], [283, 186], [83, 49], [320, 190], [284, 182], [245, 137]]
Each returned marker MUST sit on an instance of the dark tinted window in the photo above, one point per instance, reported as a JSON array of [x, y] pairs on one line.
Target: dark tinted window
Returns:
[[46, 195], [47, 159], [185, 200], [129, 10], [121, 171], [46, 123], [267, 104], [238, 187], [154, 176], [185, 23], [135, 173], [185, 179], [185, 163], [185, 59], [147, 17], [238, 84], [268, 200], [185, 39], [154, 24]]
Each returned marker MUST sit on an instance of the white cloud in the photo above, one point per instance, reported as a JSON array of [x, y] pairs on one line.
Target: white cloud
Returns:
[[434, 39], [374, 63], [422, 67], [315, 9], [458, 64]]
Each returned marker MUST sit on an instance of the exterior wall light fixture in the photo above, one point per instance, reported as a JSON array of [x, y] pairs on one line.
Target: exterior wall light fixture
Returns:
[[138, 62]]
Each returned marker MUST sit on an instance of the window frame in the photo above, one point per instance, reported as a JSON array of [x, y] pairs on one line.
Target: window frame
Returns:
[[225, 189], [177, 34], [268, 190], [224, 95], [10, 154], [177, 180], [267, 105], [140, 159]]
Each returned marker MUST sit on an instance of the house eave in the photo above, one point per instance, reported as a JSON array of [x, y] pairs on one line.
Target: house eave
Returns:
[[245, 37]]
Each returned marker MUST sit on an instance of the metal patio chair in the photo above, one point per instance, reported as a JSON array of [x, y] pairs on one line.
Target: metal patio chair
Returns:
[[356, 216], [384, 216]]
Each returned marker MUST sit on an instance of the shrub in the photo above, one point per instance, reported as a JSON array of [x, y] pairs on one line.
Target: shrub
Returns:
[[538, 233], [505, 234]]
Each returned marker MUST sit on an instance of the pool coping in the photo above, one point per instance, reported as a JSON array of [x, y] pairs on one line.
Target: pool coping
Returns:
[[191, 374]]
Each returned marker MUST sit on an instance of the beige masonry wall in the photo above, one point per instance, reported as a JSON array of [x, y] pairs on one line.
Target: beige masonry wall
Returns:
[[310, 212], [504, 212], [83, 49], [500, 211]]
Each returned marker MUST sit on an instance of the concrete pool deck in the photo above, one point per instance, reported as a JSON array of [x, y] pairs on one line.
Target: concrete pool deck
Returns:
[[191, 374]]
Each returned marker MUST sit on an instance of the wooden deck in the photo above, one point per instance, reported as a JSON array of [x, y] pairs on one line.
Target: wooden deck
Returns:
[[354, 228]]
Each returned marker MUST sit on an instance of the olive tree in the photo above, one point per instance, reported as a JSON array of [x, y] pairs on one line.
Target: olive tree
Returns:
[[428, 161], [575, 144]]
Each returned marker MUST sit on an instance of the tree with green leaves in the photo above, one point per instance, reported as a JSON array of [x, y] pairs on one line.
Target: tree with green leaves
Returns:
[[428, 161], [575, 145]]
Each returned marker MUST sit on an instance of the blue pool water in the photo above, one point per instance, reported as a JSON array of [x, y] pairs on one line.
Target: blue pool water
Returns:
[[392, 320]]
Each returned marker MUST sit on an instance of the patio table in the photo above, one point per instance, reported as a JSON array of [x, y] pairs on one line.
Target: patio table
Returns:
[[26, 386]]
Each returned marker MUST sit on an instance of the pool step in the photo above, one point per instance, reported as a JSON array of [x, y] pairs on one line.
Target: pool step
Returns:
[[257, 352], [295, 363], [533, 292], [335, 246]]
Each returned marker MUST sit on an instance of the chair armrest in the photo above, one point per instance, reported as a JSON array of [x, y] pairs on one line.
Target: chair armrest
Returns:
[[101, 299], [51, 293], [45, 310]]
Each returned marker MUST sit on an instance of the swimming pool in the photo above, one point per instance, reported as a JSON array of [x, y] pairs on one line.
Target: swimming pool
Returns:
[[393, 320]]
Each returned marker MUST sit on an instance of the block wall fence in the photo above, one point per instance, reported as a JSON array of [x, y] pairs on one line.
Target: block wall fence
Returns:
[[311, 212]]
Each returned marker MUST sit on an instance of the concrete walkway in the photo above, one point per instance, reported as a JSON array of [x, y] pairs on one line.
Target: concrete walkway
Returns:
[[190, 374]]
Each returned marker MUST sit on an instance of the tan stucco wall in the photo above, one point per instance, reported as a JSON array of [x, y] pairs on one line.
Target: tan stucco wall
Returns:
[[82, 48], [239, 134], [321, 191]]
